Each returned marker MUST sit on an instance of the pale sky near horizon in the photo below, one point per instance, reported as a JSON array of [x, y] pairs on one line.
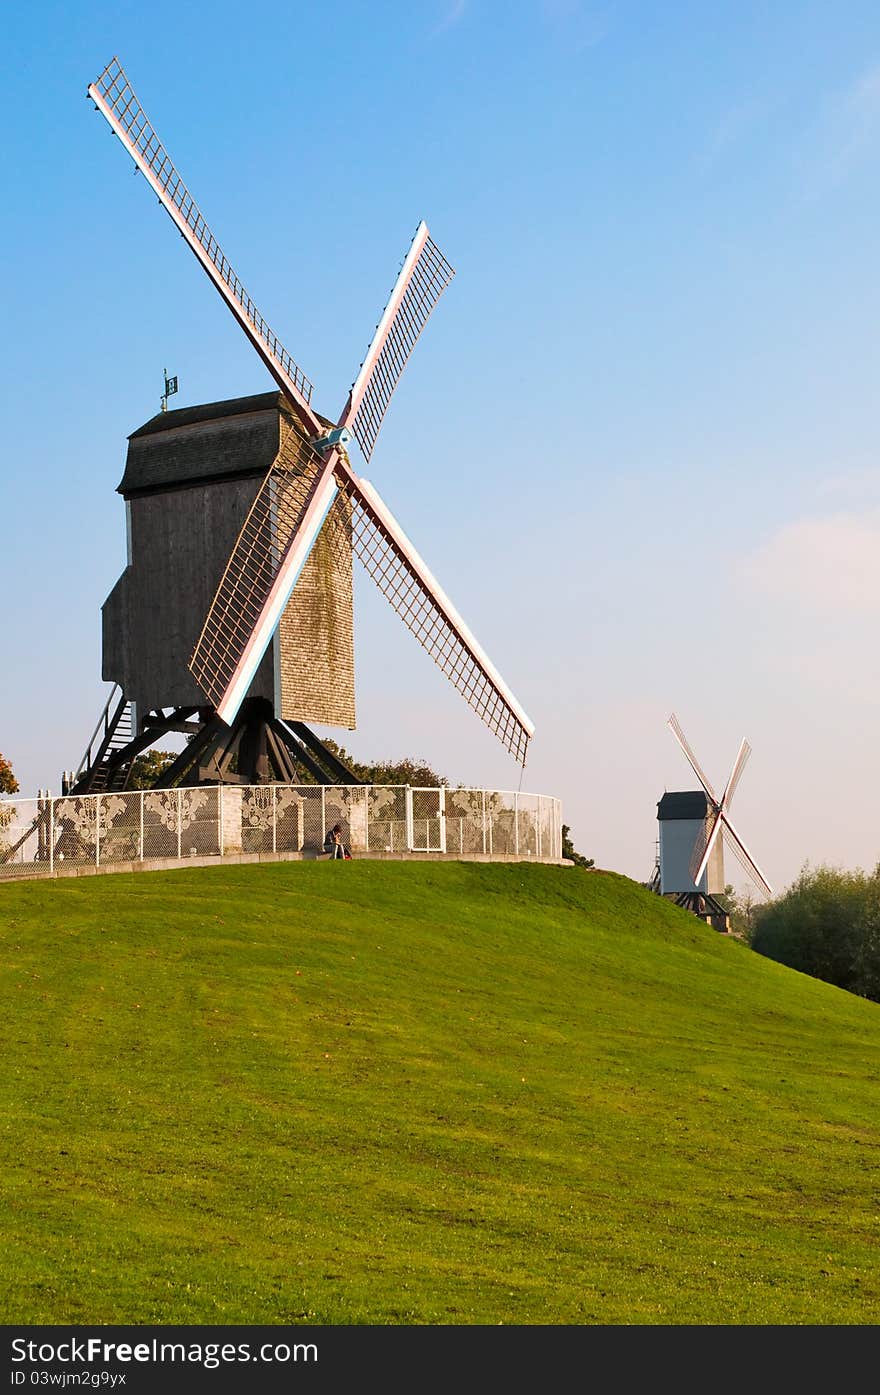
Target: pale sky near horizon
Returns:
[[637, 442]]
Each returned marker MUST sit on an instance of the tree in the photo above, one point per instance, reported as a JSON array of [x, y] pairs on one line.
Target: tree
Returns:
[[827, 925], [406, 771], [147, 767], [568, 850], [8, 782], [742, 908], [8, 785]]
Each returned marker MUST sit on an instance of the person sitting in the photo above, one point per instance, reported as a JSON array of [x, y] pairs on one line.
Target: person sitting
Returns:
[[333, 844]]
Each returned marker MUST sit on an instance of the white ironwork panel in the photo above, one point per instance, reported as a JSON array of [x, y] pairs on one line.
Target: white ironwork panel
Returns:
[[77, 840], [386, 819], [465, 822], [119, 823], [24, 836]]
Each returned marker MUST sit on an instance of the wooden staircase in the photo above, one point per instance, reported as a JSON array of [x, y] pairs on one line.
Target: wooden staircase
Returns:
[[101, 770]]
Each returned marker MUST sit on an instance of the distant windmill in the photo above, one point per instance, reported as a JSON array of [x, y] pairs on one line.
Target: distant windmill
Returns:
[[229, 693], [695, 826]]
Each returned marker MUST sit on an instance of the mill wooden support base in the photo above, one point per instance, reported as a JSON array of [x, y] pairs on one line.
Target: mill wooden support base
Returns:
[[258, 748]]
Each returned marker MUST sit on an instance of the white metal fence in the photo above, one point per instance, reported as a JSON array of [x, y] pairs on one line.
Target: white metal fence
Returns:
[[94, 830]]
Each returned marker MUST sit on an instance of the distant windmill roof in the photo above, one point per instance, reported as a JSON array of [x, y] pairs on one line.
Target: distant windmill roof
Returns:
[[210, 441], [683, 804]]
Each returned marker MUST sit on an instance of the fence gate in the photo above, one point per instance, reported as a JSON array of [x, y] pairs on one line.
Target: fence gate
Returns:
[[426, 820]]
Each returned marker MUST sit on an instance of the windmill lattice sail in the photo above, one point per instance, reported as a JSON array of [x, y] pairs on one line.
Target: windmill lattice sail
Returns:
[[114, 96], [404, 579], [423, 278], [733, 841], [675, 727], [695, 861], [739, 766]]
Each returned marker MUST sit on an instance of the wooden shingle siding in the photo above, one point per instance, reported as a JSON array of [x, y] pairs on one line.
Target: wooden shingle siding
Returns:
[[190, 478]]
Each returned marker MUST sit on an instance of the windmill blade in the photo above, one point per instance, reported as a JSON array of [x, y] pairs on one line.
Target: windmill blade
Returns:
[[699, 847], [114, 96], [675, 727], [269, 555], [423, 278], [707, 850], [407, 584], [748, 863], [739, 766]]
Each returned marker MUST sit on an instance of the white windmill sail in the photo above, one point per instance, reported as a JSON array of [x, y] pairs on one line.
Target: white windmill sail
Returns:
[[733, 841], [675, 727], [423, 278]]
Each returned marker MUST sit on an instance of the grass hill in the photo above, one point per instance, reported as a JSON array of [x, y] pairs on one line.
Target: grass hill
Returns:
[[457, 1093]]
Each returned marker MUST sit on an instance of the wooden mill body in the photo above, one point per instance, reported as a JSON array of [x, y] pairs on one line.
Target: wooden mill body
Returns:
[[190, 477]]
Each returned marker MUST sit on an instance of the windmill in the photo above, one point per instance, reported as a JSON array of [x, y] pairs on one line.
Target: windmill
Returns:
[[695, 826], [309, 491]]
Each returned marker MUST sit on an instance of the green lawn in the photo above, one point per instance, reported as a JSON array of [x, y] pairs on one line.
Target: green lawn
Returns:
[[376, 1092]]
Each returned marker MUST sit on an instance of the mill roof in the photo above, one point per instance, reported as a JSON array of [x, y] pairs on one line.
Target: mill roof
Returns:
[[210, 441], [683, 804], [208, 411]]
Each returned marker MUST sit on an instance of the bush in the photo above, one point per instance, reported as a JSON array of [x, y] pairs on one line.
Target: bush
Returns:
[[569, 850], [827, 925], [148, 768], [408, 770]]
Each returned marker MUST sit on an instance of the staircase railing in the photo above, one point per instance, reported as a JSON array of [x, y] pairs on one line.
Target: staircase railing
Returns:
[[101, 737]]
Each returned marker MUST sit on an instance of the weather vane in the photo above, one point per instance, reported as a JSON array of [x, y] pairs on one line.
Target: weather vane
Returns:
[[170, 389]]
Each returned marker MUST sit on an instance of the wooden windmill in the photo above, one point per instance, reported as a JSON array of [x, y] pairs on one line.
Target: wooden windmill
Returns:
[[307, 501]]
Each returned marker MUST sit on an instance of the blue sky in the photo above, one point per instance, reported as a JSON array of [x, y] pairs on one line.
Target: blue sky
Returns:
[[637, 442]]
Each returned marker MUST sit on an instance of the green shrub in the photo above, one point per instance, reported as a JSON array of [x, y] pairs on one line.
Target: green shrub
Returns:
[[827, 925]]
